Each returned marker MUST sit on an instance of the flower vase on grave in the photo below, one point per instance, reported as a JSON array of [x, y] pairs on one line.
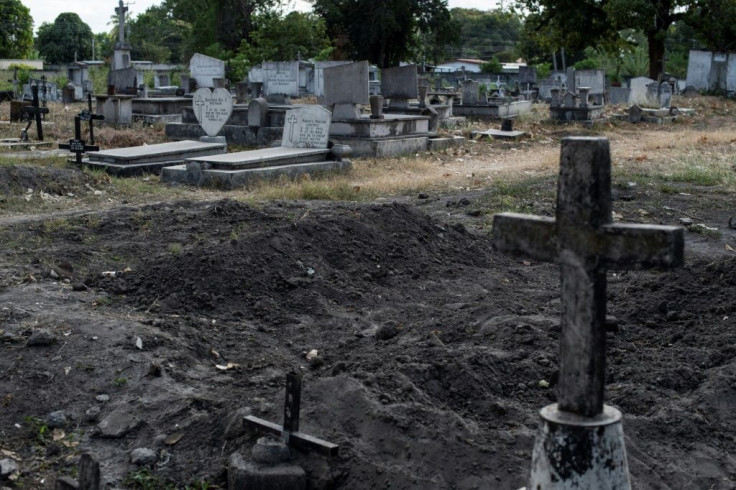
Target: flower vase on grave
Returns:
[[376, 102]]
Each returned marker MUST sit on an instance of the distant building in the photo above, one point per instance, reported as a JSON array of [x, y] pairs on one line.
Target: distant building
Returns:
[[473, 66], [460, 64], [708, 70]]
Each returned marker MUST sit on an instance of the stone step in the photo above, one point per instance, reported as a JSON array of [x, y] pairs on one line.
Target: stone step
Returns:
[[267, 157], [228, 179]]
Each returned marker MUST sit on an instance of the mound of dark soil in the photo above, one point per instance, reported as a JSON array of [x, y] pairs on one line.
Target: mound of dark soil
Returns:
[[17, 179], [434, 353]]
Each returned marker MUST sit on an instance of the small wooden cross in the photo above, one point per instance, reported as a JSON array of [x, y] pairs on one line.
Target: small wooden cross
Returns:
[[78, 145], [290, 430], [586, 242], [88, 115], [34, 112]]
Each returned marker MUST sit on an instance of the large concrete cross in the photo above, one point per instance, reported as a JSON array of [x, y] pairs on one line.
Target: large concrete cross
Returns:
[[120, 10], [586, 243]]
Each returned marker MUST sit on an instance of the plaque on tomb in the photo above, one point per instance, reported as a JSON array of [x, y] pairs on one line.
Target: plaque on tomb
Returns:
[[346, 84], [204, 69], [281, 78], [399, 82], [307, 127], [212, 109]]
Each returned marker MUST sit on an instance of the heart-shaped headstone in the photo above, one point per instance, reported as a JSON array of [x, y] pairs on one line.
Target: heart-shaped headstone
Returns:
[[212, 109]]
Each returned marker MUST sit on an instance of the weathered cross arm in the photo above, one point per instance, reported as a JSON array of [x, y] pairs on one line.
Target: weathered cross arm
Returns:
[[298, 440], [622, 247], [634, 247], [526, 235]]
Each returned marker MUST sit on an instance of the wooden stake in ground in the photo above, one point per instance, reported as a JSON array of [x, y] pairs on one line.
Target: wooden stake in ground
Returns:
[[586, 243]]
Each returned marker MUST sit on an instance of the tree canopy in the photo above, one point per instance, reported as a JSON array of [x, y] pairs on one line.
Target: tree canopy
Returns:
[[66, 37], [384, 32], [16, 30]]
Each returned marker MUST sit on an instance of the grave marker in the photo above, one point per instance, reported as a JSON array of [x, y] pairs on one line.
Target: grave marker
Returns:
[[289, 431], [585, 242], [399, 84], [212, 109], [204, 69], [281, 77], [34, 112], [307, 127], [345, 87], [77, 145]]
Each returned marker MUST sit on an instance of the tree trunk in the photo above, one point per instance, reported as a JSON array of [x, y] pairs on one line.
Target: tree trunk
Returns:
[[656, 54]]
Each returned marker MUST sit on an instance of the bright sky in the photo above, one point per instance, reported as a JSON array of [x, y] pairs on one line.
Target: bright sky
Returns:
[[96, 13]]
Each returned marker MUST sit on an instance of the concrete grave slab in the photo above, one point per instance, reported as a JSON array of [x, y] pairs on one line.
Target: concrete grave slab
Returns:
[[149, 158]]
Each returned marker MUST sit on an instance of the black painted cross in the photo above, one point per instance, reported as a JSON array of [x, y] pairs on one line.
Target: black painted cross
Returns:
[[199, 102], [292, 121], [34, 112], [290, 430], [78, 145], [88, 115], [586, 242]]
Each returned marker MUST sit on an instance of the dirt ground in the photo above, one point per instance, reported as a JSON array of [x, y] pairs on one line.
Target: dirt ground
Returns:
[[159, 326]]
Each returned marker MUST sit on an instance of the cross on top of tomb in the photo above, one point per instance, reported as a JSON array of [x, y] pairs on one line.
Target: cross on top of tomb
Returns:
[[120, 10], [290, 429], [586, 242]]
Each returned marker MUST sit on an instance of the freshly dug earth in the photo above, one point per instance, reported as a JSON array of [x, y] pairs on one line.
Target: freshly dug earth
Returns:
[[433, 351]]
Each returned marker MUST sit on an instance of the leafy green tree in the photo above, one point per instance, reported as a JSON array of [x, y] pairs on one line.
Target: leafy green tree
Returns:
[[66, 37], [156, 35], [485, 34], [280, 38], [384, 32], [493, 66], [16, 30], [714, 23]]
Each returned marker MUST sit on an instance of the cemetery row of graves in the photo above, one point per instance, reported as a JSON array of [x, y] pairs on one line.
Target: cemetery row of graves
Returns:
[[415, 330]]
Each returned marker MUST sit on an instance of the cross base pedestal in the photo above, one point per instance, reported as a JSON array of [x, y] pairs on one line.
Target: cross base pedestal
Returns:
[[579, 452], [214, 139]]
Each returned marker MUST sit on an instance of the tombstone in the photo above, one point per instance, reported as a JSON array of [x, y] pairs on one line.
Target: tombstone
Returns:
[[527, 76], [580, 441], [307, 127], [124, 81], [471, 92], [639, 91], [185, 81], [68, 94], [281, 78], [345, 87], [399, 84], [258, 113], [304, 148], [204, 69], [659, 95], [619, 95], [212, 109], [594, 80], [163, 80], [241, 92]]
